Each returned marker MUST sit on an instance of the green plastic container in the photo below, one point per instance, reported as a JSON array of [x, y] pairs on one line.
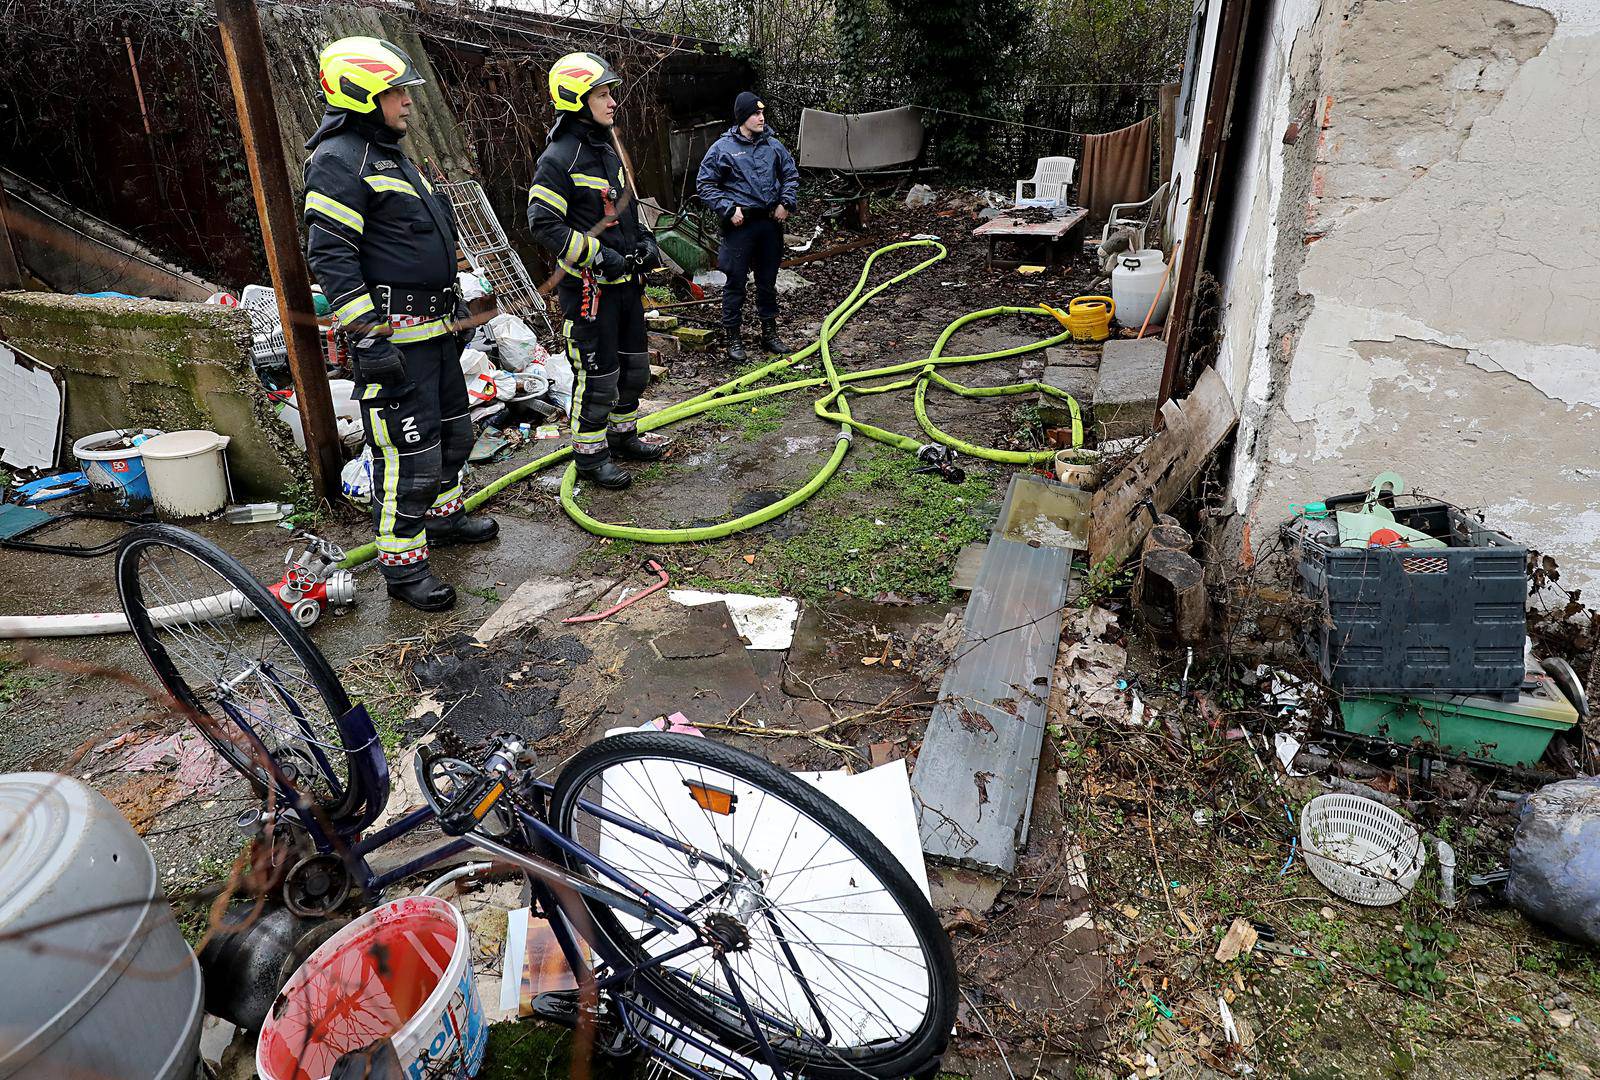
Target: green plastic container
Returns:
[[1509, 732]]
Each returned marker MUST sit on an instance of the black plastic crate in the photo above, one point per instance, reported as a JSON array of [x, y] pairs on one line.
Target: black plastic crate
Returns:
[[1431, 620]]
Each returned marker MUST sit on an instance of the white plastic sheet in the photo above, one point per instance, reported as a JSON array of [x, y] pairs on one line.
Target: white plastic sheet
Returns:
[[30, 423], [766, 622]]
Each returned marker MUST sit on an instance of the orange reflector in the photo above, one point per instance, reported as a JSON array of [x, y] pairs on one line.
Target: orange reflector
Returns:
[[488, 802], [714, 799]]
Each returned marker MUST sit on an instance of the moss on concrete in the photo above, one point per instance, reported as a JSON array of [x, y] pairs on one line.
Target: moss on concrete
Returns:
[[161, 364]]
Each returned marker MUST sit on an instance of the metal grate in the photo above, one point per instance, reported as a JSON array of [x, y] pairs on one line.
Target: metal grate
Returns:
[[1433, 565], [488, 249]]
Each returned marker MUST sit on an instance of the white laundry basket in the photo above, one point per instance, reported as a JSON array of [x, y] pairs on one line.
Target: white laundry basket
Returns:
[[1360, 849], [188, 473]]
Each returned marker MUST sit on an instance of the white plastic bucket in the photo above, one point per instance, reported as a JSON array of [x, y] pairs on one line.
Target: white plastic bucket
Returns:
[[188, 473], [402, 971], [115, 471]]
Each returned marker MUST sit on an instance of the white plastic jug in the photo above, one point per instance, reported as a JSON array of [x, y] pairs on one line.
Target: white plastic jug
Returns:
[[188, 473], [1134, 281], [346, 414]]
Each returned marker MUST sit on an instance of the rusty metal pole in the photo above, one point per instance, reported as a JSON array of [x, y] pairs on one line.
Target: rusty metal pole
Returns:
[[246, 53]]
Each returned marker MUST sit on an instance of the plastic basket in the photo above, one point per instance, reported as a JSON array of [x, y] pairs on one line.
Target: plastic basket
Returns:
[[1360, 849], [1402, 620]]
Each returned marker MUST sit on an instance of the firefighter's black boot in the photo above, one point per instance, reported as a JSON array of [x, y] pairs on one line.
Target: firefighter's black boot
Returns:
[[770, 341], [464, 530], [606, 475], [629, 447], [736, 351], [425, 593]]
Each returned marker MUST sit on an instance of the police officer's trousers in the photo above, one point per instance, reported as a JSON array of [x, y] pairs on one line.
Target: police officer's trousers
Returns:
[[756, 245]]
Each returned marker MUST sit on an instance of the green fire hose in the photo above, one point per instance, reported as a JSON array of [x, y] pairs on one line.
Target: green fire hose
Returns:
[[833, 406]]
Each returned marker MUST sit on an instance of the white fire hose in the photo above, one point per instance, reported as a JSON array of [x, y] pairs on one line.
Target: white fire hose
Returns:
[[341, 591], [115, 622]]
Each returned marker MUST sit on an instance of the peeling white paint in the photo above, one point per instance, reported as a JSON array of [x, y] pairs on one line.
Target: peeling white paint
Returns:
[[1460, 245]]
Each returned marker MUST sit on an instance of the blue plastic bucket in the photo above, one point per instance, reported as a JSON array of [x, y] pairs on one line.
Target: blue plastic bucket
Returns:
[[114, 466]]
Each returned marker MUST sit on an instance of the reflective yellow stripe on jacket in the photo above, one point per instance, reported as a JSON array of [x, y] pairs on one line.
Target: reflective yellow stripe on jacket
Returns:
[[337, 211]]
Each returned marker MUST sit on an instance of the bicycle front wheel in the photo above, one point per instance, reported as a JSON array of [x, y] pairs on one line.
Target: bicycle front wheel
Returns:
[[817, 938], [225, 647]]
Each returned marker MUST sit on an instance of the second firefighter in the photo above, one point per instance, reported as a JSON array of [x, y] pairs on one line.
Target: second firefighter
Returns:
[[581, 211]]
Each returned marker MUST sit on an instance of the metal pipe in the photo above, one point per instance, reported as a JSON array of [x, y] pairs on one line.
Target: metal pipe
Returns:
[[246, 55]]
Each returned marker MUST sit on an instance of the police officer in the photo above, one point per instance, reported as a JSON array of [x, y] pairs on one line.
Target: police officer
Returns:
[[383, 247], [581, 210], [749, 180]]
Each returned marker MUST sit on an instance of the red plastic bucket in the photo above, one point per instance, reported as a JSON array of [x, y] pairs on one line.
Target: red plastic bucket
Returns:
[[403, 971]]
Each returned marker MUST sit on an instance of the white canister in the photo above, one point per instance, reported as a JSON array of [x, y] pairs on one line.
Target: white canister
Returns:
[[1134, 280]]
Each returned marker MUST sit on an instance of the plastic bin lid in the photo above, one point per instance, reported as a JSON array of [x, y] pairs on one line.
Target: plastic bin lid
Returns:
[[43, 817], [182, 444]]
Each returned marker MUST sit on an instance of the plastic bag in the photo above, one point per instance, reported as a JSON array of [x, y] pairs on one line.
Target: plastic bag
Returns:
[[505, 385], [559, 372], [481, 388], [517, 345], [355, 479], [475, 362]]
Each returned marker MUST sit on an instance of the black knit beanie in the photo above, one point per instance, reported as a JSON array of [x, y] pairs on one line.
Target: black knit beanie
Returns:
[[745, 106]]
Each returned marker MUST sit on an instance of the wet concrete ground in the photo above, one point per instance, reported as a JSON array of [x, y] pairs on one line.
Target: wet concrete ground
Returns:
[[716, 469]]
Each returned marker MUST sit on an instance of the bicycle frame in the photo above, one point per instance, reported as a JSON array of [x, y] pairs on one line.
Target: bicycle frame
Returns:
[[554, 890]]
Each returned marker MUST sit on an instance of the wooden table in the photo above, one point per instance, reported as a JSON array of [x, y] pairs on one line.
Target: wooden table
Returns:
[[1054, 235]]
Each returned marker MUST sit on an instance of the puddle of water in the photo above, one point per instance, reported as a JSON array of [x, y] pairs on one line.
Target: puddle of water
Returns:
[[1045, 513]]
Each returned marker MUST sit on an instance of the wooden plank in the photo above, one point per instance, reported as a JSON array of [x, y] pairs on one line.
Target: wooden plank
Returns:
[[1162, 471]]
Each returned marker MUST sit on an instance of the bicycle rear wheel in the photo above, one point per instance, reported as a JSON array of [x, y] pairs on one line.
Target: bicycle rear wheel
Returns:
[[225, 647], [824, 943]]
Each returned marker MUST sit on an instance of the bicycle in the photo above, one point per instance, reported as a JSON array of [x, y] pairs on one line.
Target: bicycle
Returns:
[[667, 855]]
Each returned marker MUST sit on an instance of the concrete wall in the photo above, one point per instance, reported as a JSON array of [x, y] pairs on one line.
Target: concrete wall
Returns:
[[154, 363], [1412, 283]]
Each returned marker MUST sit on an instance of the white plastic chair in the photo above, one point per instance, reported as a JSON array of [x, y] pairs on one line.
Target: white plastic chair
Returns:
[[1050, 180], [1141, 218]]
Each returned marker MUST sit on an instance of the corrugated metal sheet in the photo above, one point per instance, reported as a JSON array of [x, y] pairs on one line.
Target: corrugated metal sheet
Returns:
[[979, 759]]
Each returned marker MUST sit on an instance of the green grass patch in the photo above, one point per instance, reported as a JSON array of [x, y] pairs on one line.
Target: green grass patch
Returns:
[[753, 419], [885, 529], [705, 583], [388, 698], [658, 294], [16, 679], [485, 592]]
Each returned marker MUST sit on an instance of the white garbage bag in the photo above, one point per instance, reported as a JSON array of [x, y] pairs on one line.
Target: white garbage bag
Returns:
[[355, 479], [517, 345], [559, 372], [475, 362]]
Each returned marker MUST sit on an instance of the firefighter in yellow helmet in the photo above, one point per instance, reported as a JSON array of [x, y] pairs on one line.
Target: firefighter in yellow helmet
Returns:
[[581, 210], [382, 245]]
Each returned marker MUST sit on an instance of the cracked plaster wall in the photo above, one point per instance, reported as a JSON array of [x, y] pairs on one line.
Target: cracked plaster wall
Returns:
[[1415, 283]]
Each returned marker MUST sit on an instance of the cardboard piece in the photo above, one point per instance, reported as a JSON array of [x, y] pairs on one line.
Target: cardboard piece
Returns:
[[30, 423]]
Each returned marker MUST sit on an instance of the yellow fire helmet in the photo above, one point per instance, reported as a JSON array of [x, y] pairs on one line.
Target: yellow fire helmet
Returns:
[[355, 70], [574, 75]]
